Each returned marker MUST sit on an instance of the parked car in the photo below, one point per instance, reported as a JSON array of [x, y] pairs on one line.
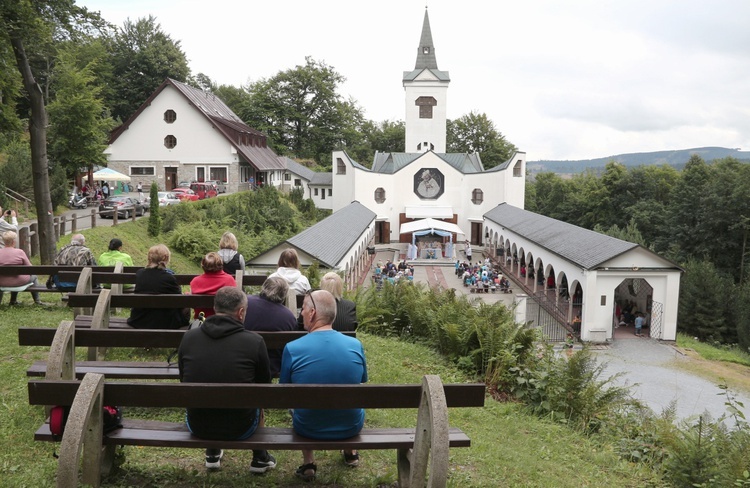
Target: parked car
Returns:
[[125, 207], [184, 184], [204, 190], [221, 187], [165, 198], [185, 194]]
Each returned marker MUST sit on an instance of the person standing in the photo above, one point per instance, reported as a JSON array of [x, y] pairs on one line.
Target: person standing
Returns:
[[324, 356], [8, 226], [139, 189], [222, 351], [468, 251], [638, 323]]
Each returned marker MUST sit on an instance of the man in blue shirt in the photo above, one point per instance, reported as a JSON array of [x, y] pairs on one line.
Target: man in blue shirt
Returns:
[[324, 356]]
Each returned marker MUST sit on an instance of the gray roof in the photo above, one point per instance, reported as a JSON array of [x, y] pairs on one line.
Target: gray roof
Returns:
[[389, 163], [298, 169], [324, 179], [583, 247], [440, 75], [330, 240], [426, 50]]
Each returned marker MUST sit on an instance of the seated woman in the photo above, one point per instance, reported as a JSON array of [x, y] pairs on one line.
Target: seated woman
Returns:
[[115, 255], [289, 271], [156, 279], [11, 256], [233, 260], [346, 310], [212, 279]]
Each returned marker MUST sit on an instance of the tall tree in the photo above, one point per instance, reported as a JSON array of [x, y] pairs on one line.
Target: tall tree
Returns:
[[476, 133], [29, 27], [143, 56], [302, 112], [79, 122]]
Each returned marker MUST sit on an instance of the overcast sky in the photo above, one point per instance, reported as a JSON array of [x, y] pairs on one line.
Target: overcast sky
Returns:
[[574, 79]]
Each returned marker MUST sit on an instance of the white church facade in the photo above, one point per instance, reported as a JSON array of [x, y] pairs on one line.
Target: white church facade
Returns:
[[426, 181]]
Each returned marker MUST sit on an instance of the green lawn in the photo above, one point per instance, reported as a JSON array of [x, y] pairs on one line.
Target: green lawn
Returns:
[[510, 448]]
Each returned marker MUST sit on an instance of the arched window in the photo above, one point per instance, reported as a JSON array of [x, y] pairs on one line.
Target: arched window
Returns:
[[170, 141], [379, 195]]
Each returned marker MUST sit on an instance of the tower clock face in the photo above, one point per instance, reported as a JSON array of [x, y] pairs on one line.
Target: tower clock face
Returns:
[[429, 183]]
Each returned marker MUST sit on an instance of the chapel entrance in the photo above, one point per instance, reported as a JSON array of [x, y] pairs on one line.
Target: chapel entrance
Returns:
[[634, 296]]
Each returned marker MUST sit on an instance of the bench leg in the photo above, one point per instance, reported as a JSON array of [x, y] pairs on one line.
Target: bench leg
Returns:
[[403, 461], [83, 434], [431, 442]]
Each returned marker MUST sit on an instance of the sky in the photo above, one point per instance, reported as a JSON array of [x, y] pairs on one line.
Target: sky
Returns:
[[573, 79]]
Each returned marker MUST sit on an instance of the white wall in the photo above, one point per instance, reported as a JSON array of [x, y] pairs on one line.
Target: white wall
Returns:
[[431, 130]]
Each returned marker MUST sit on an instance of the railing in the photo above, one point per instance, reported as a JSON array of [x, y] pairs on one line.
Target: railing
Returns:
[[19, 199]]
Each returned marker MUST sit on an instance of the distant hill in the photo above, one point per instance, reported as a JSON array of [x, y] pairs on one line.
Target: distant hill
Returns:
[[676, 158]]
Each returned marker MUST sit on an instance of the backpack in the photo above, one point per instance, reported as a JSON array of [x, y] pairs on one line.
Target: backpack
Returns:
[[58, 417]]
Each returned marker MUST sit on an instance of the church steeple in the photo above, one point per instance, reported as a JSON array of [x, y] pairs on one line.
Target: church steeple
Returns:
[[426, 50]]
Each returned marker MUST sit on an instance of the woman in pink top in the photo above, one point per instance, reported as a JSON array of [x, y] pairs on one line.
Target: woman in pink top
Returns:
[[11, 256]]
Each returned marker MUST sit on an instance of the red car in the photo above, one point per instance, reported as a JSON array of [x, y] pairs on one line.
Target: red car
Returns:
[[204, 190], [185, 194]]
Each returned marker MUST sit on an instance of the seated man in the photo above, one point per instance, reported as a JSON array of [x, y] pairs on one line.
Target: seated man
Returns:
[[74, 254], [268, 312], [11, 256], [324, 356], [222, 351]]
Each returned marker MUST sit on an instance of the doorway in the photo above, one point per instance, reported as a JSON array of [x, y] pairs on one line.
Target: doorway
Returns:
[[170, 179]]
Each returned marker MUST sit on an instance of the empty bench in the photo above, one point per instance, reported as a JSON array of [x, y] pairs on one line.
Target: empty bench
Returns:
[[420, 450]]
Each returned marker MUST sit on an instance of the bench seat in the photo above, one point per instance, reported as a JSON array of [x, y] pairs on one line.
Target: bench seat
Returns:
[[137, 370], [153, 433]]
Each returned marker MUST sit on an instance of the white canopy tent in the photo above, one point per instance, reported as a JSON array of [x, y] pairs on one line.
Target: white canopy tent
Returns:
[[430, 226], [106, 174]]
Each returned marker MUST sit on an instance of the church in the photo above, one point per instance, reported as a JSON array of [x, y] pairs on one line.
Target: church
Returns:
[[426, 181]]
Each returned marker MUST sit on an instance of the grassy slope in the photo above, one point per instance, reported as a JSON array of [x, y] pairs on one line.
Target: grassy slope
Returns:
[[510, 448]]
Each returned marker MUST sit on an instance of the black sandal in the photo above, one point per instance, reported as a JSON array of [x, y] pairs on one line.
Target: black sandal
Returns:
[[351, 460], [301, 472]]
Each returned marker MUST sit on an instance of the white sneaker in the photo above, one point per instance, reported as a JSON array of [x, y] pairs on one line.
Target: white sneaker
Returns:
[[213, 461]]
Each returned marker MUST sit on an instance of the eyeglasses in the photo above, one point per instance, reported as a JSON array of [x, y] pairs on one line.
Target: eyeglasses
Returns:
[[309, 294]]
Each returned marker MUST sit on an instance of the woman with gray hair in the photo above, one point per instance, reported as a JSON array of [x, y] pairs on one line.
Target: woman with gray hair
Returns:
[[267, 312]]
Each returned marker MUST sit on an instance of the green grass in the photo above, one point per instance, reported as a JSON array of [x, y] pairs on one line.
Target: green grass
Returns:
[[509, 447], [707, 351]]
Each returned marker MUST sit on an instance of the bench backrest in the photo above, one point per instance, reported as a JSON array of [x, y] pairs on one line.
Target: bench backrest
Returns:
[[128, 278], [212, 395]]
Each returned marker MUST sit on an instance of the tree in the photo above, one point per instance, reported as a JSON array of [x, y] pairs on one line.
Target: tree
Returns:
[[301, 111], [154, 220], [143, 56], [28, 27], [476, 133], [79, 122]]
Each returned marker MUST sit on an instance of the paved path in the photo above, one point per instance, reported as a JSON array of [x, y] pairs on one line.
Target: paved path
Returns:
[[650, 367]]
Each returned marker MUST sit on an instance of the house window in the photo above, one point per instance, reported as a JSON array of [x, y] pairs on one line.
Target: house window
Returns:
[[477, 196], [340, 167], [380, 195], [425, 105], [316, 192], [170, 142], [287, 177], [297, 182], [323, 194], [517, 169], [170, 116], [330, 192], [142, 171]]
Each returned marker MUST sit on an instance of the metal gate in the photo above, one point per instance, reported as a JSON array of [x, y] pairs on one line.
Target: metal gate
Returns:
[[655, 328], [537, 316]]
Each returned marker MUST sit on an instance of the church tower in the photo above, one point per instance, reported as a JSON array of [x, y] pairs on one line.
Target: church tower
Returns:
[[426, 96]]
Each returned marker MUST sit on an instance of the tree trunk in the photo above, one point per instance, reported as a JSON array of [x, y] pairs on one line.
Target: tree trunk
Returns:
[[39, 164]]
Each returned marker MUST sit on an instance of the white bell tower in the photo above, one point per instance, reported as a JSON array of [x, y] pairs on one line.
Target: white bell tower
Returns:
[[426, 96]]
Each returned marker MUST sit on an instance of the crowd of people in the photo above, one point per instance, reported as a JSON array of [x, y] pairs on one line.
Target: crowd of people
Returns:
[[392, 272], [481, 274]]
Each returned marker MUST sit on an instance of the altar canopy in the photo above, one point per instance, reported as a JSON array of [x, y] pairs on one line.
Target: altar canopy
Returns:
[[431, 226]]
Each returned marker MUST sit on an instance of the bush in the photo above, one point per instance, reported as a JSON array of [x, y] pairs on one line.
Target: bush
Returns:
[[194, 240]]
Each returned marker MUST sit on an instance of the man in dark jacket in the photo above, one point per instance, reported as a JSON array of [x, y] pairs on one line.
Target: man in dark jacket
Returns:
[[222, 351]]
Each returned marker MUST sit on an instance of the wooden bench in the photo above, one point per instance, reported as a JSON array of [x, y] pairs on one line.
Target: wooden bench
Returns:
[[61, 362], [420, 451], [41, 271]]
